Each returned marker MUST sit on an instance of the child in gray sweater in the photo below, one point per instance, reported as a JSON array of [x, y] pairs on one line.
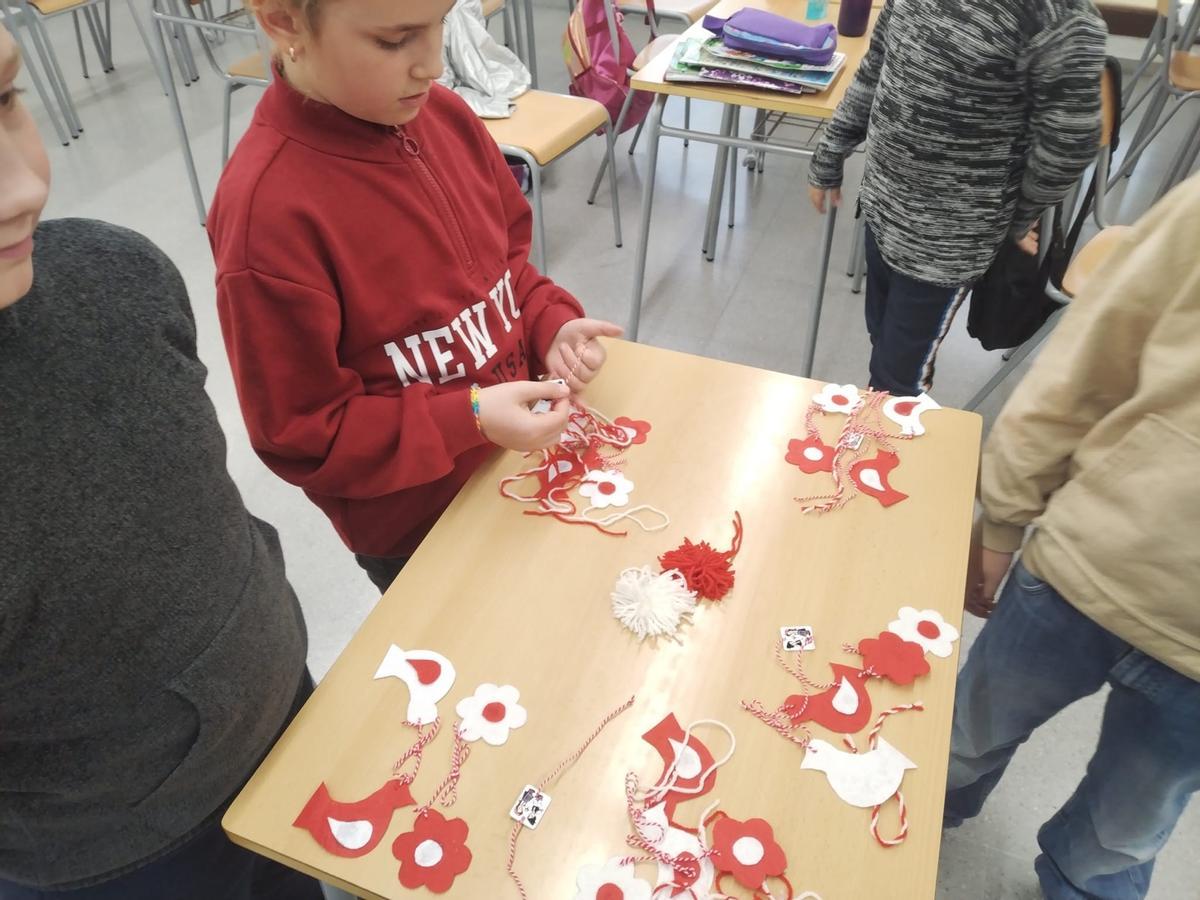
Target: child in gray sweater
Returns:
[[151, 649], [976, 117]]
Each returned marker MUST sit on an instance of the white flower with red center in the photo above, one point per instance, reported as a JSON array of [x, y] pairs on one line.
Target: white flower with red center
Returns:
[[606, 488], [927, 628], [838, 398], [611, 881], [490, 713]]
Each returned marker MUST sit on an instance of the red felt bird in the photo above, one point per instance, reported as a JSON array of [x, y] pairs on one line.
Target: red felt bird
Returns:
[[352, 829], [845, 708], [692, 760]]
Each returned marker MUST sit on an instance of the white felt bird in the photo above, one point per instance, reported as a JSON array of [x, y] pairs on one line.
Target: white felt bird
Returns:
[[860, 779]]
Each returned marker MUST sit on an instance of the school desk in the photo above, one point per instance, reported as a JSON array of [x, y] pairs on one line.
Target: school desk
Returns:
[[524, 600], [815, 106]]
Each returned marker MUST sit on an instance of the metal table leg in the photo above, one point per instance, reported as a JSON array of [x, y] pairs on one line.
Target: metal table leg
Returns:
[[717, 192], [530, 44], [654, 135], [814, 316]]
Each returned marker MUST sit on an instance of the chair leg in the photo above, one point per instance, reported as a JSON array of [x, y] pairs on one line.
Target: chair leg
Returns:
[[79, 43], [610, 143], [687, 116], [717, 192], [89, 13], [58, 83], [539, 220], [36, 77], [852, 259], [180, 128], [604, 163], [1148, 53], [637, 134], [1182, 163], [151, 50], [230, 87], [733, 164], [1018, 355], [1147, 130], [860, 258]]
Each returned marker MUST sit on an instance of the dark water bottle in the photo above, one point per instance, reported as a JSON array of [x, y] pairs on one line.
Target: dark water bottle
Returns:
[[853, 18]]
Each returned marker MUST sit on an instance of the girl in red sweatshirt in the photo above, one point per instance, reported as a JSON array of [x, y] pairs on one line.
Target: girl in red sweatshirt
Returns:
[[372, 253]]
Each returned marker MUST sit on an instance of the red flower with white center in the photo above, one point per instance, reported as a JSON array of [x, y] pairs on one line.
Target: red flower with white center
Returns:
[[890, 656], [838, 398], [927, 628], [490, 713], [747, 850], [635, 428], [810, 455], [434, 853], [606, 489]]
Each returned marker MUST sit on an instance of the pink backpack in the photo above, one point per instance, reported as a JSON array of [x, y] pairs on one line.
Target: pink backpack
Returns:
[[597, 69]]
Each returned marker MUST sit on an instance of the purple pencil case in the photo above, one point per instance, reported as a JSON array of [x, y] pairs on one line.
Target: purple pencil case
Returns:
[[768, 34]]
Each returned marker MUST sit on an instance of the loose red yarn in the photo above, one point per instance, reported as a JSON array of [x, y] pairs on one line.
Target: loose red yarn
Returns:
[[707, 571]]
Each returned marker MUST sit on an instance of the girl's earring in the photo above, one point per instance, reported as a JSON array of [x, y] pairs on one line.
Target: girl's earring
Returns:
[[292, 53]]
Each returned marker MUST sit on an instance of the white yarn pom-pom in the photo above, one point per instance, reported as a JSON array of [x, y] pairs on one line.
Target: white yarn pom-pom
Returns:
[[650, 603]]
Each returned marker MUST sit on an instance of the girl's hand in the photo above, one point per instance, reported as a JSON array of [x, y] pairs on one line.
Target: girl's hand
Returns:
[[505, 418], [574, 356]]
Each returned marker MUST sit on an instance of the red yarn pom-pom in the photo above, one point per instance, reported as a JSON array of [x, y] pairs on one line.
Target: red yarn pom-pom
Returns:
[[707, 571]]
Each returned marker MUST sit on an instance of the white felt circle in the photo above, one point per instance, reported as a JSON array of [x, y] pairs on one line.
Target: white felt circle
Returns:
[[748, 851], [688, 765], [813, 453], [351, 835], [428, 854], [845, 700], [870, 477]]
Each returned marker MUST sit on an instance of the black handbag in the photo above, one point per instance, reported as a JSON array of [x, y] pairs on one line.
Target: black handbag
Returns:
[[1009, 303]]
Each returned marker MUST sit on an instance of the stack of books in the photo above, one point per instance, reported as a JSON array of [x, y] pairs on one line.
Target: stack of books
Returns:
[[711, 62]]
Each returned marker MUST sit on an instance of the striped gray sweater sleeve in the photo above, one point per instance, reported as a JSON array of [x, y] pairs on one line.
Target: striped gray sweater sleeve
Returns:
[[1064, 119], [848, 127]]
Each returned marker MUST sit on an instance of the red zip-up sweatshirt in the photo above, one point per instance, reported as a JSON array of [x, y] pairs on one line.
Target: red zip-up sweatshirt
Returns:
[[366, 277]]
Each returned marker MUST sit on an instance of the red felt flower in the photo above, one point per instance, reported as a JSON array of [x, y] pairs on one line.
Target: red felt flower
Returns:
[[639, 428], [810, 455], [890, 656], [747, 850], [434, 853]]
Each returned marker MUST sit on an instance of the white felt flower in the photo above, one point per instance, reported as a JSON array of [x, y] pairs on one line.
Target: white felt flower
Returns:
[[838, 398], [606, 488], [927, 628], [490, 713], [611, 881]]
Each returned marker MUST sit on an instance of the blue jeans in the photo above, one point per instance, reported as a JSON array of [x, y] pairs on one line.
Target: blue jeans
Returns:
[[907, 321], [1035, 656]]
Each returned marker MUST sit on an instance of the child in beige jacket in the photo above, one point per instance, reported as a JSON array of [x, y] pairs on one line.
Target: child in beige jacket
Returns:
[[1097, 456]]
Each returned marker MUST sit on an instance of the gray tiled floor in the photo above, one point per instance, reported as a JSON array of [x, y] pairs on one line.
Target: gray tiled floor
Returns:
[[749, 306]]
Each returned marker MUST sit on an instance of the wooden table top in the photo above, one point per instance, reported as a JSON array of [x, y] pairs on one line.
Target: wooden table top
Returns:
[[524, 600], [819, 105]]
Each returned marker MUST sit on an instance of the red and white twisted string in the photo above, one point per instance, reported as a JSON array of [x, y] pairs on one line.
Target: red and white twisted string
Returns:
[[446, 792], [549, 779], [902, 807], [425, 735]]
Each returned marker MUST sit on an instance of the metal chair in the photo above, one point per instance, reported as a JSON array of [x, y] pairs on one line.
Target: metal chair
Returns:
[[13, 20], [542, 128], [252, 70], [1177, 82], [1094, 253]]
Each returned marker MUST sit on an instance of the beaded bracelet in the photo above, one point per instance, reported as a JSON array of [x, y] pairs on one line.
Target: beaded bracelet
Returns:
[[475, 406]]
